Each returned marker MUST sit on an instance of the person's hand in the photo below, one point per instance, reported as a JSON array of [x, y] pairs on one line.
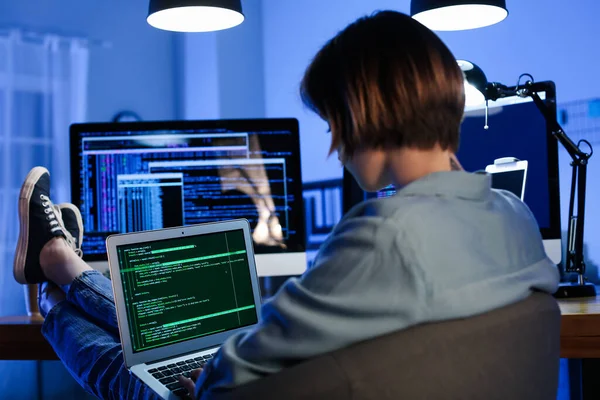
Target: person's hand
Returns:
[[190, 383], [455, 164]]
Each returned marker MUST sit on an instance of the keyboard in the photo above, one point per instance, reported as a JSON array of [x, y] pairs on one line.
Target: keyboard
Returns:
[[169, 374]]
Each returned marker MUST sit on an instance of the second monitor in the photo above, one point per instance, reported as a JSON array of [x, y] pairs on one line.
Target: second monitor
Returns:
[[130, 177]]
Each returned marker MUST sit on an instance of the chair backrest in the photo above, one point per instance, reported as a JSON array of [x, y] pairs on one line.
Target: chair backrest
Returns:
[[509, 353]]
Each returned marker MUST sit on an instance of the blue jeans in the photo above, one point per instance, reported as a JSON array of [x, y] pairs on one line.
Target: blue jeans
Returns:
[[84, 334]]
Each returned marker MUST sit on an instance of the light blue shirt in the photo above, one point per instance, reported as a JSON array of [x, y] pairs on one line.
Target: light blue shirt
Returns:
[[446, 246]]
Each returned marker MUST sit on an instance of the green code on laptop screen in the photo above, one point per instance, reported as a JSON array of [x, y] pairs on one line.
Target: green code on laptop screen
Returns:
[[186, 288]]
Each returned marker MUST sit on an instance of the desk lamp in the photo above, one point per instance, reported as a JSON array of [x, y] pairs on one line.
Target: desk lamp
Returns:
[[195, 15], [481, 90]]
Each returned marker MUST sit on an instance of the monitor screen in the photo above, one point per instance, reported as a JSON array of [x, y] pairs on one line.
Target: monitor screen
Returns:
[[130, 177], [517, 130], [185, 288]]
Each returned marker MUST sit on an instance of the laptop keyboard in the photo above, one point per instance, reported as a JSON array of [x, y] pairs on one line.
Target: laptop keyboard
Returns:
[[169, 374]]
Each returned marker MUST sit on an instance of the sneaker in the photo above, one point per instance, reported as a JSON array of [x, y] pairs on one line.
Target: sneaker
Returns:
[[71, 217], [39, 224]]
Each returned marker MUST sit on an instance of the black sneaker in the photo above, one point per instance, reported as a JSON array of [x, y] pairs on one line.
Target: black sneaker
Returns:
[[71, 217], [39, 224]]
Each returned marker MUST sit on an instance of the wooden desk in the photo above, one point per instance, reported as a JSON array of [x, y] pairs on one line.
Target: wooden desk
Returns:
[[580, 328], [21, 339], [580, 343]]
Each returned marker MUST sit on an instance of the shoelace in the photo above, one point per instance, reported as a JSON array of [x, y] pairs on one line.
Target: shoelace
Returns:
[[49, 210], [54, 218], [70, 238]]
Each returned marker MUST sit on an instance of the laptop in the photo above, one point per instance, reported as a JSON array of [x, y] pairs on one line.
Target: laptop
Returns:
[[180, 293], [509, 173]]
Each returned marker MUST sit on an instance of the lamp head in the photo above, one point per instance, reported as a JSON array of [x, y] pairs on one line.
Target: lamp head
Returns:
[[456, 15], [195, 15], [475, 83]]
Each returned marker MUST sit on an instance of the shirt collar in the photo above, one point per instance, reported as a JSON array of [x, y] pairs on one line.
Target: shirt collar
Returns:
[[460, 184]]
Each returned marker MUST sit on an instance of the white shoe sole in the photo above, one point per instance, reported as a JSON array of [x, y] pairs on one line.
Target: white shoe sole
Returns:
[[24, 197]]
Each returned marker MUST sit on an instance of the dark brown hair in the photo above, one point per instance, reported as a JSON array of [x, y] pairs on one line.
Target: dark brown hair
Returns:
[[386, 81]]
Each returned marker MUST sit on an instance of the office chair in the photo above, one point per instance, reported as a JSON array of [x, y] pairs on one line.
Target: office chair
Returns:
[[509, 353]]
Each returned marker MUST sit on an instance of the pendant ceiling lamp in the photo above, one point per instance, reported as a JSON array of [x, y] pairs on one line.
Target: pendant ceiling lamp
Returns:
[[457, 15], [195, 15]]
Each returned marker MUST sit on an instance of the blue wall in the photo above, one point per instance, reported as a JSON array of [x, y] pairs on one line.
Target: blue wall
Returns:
[[137, 73], [224, 71]]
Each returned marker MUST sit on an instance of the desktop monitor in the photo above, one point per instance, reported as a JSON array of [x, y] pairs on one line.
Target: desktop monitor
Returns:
[[518, 149], [138, 176]]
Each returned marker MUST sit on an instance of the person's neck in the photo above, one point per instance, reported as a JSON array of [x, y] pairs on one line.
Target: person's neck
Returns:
[[408, 165]]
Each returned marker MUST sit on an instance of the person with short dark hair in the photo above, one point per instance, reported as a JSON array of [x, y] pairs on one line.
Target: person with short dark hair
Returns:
[[445, 246], [386, 82]]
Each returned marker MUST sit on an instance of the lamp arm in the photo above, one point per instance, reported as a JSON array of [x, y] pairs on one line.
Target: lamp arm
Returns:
[[557, 130], [574, 259]]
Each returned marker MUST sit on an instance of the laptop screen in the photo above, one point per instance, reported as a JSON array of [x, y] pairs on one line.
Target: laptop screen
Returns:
[[185, 288], [510, 180]]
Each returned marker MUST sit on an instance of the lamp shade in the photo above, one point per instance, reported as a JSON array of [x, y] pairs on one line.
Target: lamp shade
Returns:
[[456, 15], [475, 83], [195, 15]]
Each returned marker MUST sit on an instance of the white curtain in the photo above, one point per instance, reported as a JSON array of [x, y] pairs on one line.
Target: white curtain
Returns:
[[43, 89]]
